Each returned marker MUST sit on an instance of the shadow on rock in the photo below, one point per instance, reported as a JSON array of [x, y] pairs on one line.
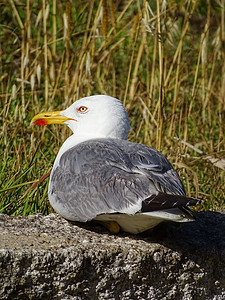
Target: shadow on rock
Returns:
[[203, 234]]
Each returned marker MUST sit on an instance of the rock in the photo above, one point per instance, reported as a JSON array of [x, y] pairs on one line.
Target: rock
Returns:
[[47, 257]]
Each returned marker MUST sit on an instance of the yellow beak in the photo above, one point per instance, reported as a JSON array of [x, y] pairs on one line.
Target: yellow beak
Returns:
[[52, 117]]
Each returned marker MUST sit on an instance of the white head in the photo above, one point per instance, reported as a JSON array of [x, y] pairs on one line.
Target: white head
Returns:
[[94, 116]]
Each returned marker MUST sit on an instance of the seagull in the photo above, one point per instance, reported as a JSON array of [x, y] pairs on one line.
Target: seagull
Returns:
[[99, 175]]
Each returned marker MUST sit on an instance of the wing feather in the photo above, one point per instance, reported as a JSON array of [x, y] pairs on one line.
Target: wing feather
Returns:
[[108, 176], [156, 166]]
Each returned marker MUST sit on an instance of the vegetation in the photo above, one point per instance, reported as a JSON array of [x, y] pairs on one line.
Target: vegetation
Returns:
[[165, 60]]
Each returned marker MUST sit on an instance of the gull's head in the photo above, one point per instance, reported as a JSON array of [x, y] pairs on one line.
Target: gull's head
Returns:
[[94, 116]]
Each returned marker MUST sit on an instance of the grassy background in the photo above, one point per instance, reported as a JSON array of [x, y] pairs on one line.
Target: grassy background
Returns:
[[165, 60]]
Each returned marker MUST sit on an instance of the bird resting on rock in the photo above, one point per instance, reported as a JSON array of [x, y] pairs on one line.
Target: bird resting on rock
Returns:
[[99, 175]]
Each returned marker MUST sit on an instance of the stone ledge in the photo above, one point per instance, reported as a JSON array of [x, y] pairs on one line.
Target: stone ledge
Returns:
[[47, 257]]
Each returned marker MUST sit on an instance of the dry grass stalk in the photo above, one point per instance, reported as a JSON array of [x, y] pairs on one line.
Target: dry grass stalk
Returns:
[[67, 35], [219, 163], [105, 18], [176, 91], [44, 18], [161, 81], [54, 28], [22, 56], [136, 30], [112, 13]]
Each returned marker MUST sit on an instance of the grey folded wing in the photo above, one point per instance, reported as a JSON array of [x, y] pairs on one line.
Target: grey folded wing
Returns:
[[110, 176]]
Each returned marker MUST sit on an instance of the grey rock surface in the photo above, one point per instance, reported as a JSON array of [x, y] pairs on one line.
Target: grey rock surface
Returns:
[[47, 257]]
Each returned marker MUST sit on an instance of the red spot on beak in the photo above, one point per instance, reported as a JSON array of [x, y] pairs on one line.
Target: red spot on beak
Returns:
[[41, 122]]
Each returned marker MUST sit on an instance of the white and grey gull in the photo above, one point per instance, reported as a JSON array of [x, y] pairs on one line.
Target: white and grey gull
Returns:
[[99, 175]]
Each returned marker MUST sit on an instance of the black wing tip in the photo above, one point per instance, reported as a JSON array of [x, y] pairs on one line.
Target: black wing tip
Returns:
[[194, 201], [166, 201]]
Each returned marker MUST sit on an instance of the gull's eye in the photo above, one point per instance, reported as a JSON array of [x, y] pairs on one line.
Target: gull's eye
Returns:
[[82, 109]]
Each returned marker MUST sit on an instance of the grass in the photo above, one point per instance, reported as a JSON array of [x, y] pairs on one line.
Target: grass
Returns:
[[165, 60]]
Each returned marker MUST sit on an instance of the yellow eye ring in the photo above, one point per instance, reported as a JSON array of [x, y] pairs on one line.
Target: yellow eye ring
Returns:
[[82, 109]]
